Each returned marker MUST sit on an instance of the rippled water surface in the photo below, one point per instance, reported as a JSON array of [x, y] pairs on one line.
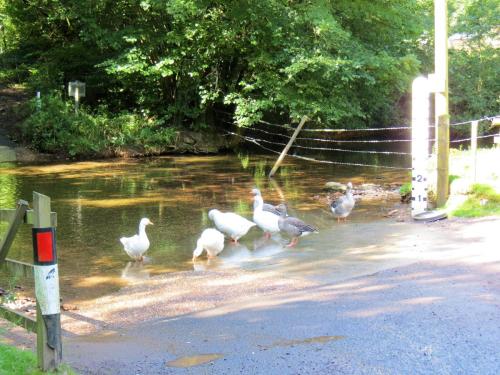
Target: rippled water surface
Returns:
[[98, 202]]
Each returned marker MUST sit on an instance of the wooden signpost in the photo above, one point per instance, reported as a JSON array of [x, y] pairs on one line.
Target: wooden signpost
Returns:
[[48, 323]]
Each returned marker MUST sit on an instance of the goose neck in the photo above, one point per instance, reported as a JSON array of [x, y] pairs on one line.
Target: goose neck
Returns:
[[142, 230], [258, 203]]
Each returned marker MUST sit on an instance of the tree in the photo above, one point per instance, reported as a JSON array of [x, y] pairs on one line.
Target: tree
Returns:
[[474, 66], [340, 62]]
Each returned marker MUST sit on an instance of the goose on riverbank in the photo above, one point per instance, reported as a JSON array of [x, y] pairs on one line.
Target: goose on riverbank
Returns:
[[342, 207], [235, 226], [294, 227], [210, 240], [137, 245], [265, 220]]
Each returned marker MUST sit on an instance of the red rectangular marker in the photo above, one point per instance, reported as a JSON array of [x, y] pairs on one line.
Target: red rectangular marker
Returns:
[[45, 246]]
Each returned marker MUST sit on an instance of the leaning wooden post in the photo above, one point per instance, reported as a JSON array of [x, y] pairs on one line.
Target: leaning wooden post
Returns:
[[22, 207], [473, 147], [287, 147], [46, 275]]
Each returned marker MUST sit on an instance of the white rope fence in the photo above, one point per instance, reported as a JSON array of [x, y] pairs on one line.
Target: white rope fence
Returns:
[[260, 141], [256, 142], [396, 127]]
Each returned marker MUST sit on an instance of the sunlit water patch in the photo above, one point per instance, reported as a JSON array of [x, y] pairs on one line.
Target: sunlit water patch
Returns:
[[98, 202]]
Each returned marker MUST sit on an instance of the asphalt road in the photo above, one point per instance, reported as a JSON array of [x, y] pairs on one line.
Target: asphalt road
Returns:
[[440, 315]]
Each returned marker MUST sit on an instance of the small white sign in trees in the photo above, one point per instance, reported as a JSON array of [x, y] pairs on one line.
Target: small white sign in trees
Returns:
[[77, 90]]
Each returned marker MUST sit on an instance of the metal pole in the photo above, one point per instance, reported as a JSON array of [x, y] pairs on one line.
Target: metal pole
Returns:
[[473, 147], [46, 275], [287, 147], [442, 119]]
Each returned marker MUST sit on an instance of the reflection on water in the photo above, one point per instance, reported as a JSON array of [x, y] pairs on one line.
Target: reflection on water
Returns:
[[99, 202], [136, 271]]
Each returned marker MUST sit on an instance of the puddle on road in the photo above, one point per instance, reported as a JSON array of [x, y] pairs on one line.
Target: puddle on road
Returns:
[[311, 340], [194, 360]]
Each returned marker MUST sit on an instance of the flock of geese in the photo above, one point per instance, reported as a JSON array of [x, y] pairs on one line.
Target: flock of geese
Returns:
[[271, 219]]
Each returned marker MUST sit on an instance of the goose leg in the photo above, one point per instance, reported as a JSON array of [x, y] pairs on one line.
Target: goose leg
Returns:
[[293, 242]]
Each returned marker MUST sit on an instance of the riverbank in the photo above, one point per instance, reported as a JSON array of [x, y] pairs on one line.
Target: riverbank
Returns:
[[64, 135], [430, 305]]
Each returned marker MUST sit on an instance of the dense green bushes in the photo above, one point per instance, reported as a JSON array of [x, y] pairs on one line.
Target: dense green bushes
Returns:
[[474, 66], [183, 62], [53, 126]]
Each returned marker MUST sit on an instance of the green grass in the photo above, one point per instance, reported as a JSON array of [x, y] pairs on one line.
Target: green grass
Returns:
[[14, 361], [472, 207], [405, 189]]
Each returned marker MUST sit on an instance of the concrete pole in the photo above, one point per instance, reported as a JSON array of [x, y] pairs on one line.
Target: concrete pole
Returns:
[[287, 147], [442, 119], [420, 113]]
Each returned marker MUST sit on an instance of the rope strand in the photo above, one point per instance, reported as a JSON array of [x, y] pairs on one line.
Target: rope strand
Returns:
[[256, 142]]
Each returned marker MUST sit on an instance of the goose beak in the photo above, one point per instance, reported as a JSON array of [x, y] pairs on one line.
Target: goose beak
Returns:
[[150, 222]]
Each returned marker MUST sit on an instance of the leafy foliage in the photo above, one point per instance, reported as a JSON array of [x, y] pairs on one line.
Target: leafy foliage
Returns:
[[182, 60], [474, 68], [54, 126]]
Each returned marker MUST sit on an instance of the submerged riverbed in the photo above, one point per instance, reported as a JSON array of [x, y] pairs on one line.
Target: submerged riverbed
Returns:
[[98, 202]]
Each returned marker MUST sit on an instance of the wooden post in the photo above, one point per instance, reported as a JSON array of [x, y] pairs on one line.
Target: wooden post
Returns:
[[441, 99], [49, 357], [287, 147], [473, 147]]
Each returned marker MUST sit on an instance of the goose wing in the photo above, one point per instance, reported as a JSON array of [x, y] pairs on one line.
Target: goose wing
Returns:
[[295, 226], [272, 209]]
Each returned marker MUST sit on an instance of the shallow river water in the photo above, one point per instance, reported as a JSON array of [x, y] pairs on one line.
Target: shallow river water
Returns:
[[98, 202]]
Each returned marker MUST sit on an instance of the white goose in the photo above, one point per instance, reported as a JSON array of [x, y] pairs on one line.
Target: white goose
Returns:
[[265, 220], [210, 240], [137, 245], [235, 226]]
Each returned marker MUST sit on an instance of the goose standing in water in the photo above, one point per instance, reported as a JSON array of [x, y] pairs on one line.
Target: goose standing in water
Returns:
[[294, 227], [137, 245], [265, 220], [210, 240], [342, 207], [235, 226], [266, 206]]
